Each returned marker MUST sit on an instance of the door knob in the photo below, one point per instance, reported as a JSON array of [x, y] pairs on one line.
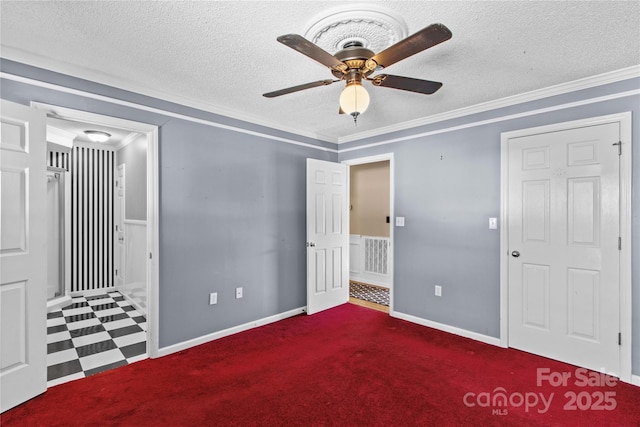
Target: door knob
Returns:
[[515, 254]]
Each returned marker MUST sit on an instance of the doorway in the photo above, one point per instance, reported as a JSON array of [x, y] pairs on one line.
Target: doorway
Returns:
[[371, 231], [113, 323], [565, 269]]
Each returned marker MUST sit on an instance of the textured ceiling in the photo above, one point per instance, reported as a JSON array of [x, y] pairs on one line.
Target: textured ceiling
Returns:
[[222, 56]]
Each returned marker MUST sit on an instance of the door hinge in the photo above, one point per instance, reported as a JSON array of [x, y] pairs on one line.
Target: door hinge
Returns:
[[619, 144], [619, 338], [150, 255], [619, 243], [116, 271]]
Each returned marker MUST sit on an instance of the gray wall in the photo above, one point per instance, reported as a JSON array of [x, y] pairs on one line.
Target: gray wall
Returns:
[[233, 214], [232, 208], [134, 156], [447, 185]]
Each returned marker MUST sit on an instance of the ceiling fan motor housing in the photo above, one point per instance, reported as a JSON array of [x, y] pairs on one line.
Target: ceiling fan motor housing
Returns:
[[355, 56]]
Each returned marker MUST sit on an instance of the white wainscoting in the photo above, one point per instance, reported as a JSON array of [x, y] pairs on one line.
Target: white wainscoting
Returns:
[[369, 259], [135, 260]]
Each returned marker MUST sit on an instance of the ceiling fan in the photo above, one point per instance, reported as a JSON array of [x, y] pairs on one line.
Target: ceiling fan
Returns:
[[355, 63]]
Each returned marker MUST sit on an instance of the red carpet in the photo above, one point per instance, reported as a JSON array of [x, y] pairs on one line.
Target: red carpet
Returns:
[[349, 366]]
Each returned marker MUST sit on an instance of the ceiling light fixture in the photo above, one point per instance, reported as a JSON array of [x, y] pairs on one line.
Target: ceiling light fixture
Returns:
[[97, 135], [354, 99]]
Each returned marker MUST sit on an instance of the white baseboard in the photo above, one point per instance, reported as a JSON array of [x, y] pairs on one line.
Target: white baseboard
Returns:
[[58, 303], [164, 351], [635, 380], [446, 328], [132, 301], [93, 292]]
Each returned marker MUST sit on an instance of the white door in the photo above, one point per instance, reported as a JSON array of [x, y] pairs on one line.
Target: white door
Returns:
[[23, 255], [119, 256], [564, 283], [327, 235]]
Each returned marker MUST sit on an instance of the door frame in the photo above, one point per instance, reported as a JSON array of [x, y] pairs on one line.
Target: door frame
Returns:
[[151, 132], [120, 206], [625, 308], [374, 159]]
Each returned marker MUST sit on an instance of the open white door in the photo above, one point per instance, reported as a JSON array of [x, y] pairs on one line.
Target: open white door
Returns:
[[23, 255], [327, 235]]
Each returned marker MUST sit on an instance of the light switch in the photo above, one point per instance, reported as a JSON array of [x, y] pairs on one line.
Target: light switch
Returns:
[[493, 223], [399, 221]]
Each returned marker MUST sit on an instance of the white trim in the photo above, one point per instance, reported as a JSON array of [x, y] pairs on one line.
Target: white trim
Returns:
[[499, 119], [84, 73], [58, 303], [154, 110], [626, 306], [624, 119], [134, 304], [635, 380], [119, 83], [446, 328], [153, 245], [134, 222], [164, 351], [153, 230], [373, 159], [560, 89], [606, 78], [93, 292]]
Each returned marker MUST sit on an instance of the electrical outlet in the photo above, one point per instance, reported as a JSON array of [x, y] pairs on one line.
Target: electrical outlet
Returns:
[[438, 290], [213, 298], [238, 293]]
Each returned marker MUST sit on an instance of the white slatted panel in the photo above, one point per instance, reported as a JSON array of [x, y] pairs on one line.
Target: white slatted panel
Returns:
[[91, 218], [376, 255]]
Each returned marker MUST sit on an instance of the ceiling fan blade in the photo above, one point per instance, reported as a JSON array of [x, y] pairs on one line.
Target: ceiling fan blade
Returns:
[[424, 39], [406, 83], [304, 46], [299, 87]]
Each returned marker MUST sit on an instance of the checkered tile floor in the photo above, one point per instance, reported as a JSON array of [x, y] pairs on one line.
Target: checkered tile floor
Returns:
[[92, 335], [370, 293]]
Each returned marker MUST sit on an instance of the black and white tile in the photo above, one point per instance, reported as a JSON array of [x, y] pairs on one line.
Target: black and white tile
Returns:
[[369, 293], [93, 334]]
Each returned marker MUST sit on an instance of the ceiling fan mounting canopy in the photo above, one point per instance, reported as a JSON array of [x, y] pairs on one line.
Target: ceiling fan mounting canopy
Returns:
[[355, 63]]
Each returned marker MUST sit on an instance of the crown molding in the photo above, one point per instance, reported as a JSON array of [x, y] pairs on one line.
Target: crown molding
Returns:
[[498, 119], [584, 83], [124, 84], [85, 73]]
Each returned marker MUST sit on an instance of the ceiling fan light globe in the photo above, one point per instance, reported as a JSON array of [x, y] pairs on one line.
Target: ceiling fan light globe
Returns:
[[354, 99]]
